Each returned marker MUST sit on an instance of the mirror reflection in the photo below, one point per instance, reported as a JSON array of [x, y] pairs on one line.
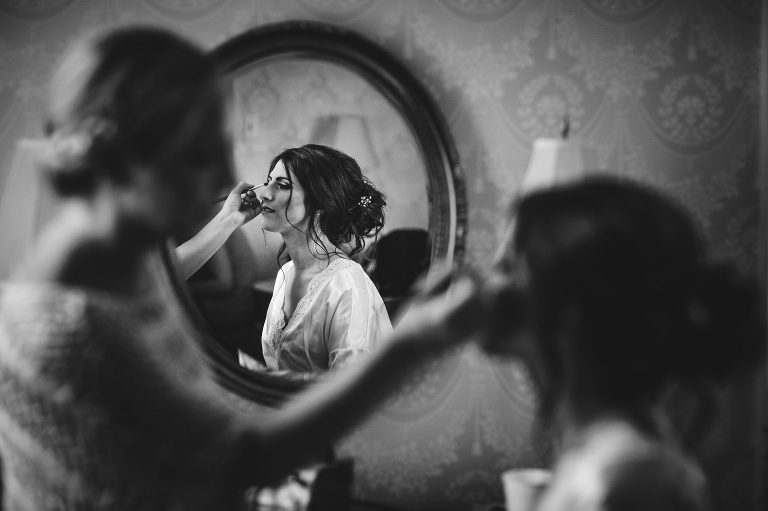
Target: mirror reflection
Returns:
[[258, 305]]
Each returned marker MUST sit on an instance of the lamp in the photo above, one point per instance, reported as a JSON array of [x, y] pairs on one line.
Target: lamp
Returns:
[[553, 161], [23, 203], [348, 133]]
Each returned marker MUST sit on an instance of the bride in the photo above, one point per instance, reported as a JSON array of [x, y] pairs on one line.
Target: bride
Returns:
[[324, 311]]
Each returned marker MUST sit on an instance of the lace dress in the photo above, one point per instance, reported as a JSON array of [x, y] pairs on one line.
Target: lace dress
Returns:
[[105, 403], [340, 317]]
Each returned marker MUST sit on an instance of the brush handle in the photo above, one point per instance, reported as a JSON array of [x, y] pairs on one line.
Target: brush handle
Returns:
[[250, 193]]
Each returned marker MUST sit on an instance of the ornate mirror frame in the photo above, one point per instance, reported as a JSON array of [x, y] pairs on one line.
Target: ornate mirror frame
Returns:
[[445, 185]]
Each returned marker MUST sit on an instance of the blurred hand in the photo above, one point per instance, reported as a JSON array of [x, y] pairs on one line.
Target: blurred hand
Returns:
[[448, 308], [242, 204], [453, 305]]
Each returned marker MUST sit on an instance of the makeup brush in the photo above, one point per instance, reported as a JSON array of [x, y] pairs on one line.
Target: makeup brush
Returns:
[[248, 195]]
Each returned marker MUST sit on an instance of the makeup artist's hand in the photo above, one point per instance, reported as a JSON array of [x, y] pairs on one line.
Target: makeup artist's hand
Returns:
[[242, 204]]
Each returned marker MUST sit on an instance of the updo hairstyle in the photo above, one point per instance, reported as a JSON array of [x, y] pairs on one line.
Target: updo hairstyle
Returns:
[[340, 202], [625, 273], [133, 97]]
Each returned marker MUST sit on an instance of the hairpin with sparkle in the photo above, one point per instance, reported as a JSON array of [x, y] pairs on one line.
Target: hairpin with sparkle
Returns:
[[364, 202]]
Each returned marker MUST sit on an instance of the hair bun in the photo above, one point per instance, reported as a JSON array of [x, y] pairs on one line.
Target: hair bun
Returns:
[[73, 150], [64, 160], [367, 216]]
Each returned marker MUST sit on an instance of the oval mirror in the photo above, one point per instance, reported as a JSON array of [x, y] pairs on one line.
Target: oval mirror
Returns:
[[301, 82]]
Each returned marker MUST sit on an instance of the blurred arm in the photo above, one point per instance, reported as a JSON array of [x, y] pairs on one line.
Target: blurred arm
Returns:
[[195, 252]]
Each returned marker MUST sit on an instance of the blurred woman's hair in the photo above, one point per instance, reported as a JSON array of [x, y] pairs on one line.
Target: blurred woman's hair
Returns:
[[627, 297], [132, 97], [340, 202]]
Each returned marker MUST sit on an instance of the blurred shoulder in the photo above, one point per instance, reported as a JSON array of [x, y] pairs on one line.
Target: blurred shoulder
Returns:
[[618, 469], [38, 314], [656, 478]]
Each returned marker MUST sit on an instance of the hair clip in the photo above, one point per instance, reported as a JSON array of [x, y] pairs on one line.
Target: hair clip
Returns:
[[364, 202], [66, 149], [69, 144], [98, 126]]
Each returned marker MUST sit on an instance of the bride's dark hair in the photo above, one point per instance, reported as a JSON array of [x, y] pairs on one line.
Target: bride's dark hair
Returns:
[[340, 202]]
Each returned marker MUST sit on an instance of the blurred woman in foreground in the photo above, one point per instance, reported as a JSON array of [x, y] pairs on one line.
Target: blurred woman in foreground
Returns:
[[615, 301], [105, 401]]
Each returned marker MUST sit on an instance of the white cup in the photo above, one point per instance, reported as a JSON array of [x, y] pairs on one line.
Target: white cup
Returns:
[[523, 487]]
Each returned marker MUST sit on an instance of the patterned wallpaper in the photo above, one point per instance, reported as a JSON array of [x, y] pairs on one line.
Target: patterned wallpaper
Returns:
[[666, 91]]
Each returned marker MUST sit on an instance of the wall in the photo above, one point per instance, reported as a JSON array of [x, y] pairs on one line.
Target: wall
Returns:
[[661, 90]]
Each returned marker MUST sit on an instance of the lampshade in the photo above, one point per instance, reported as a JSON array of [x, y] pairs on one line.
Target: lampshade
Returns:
[[553, 161], [21, 201], [348, 133]]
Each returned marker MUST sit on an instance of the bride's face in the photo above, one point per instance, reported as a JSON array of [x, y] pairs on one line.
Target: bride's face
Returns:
[[283, 204]]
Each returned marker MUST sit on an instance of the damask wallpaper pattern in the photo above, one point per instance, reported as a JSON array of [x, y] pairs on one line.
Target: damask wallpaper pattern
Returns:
[[666, 91]]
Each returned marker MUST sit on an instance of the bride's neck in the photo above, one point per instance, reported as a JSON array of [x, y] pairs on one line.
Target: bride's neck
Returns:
[[310, 255]]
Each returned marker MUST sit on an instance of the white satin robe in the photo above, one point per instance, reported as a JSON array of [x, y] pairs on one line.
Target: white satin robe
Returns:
[[341, 317]]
